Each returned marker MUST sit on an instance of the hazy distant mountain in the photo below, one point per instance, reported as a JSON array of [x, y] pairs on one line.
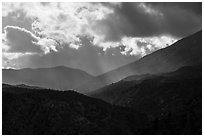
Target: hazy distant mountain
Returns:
[[20, 86], [56, 78], [185, 52]]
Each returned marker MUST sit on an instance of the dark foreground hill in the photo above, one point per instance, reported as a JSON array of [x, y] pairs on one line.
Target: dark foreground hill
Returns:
[[60, 77], [168, 104], [185, 52], [173, 100], [42, 111]]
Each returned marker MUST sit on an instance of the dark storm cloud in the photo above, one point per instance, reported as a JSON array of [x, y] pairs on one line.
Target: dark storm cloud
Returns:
[[16, 19], [181, 19], [195, 7], [153, 19], [20, 40]]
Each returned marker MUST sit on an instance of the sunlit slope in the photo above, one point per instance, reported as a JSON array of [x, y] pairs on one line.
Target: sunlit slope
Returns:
[[185, 52]]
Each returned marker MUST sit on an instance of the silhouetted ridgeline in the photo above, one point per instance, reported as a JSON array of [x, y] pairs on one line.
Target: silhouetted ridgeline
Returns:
[[172, 100], [170, 103], [41, 111]]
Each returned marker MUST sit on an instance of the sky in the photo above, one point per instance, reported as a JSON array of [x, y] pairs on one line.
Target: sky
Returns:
[[94, 37]]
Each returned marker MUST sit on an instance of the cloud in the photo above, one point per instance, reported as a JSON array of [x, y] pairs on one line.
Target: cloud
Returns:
[[140, 46], [47, 45], [195, 7], [147, 19], [74, 46], [13, 60], [159, 24], [131, 29], [20, 40], [16, 19], [19, 43], [85, 58], [68, 20], [106, 23]]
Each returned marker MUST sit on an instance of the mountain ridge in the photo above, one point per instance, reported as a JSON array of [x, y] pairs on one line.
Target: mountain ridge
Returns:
[[59, 77], [184, 52], [43, 111], [172, 100]]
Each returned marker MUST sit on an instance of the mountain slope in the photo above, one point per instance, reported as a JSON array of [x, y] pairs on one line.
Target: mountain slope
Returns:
[[174, 98], [111, 92], [185, 52], [56, 78], [168, 104], [41, 111], [117, 90]]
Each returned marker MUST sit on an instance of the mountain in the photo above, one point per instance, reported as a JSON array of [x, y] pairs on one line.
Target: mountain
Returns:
[[27, 111], [21, 86], [164, 104], [111, 92], [114, 91], [174, 98], [56, 78], [185, 52]]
